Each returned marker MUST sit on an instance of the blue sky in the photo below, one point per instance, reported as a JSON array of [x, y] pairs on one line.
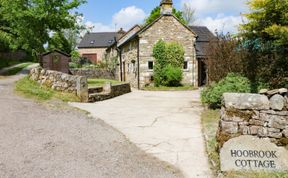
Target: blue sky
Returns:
[[103, 15]]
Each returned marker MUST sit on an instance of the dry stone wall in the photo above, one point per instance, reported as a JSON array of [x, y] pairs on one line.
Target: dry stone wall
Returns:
[[264, 115], [95, 73], [108, 91], [61, 82]]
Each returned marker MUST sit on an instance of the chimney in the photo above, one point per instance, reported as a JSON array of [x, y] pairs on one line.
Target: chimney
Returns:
[[166, 7]]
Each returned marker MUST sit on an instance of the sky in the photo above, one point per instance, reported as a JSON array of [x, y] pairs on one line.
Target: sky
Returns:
[[111, 15]]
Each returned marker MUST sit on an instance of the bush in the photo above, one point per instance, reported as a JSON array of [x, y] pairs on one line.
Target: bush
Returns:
[[231, 83], [169, 60], [172, 76], [73, 65]]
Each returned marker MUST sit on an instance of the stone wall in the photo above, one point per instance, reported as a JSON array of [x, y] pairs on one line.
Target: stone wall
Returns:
[[61, 82], [262, 115], [95, 73], [109, 91], [129, 59]]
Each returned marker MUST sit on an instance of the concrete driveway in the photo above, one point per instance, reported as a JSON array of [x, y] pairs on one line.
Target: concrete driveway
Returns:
[[164, 124]]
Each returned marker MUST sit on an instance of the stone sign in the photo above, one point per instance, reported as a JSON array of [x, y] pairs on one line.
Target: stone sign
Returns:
[[253, 154]]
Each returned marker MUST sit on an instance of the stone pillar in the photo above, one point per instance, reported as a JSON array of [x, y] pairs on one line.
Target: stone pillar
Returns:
[[82, 89], [107, 87]]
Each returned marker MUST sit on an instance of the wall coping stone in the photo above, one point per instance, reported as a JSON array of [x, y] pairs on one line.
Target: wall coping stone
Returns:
[[246, 101]]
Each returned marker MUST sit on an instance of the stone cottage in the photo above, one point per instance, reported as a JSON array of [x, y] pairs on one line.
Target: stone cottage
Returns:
[[134, 49]]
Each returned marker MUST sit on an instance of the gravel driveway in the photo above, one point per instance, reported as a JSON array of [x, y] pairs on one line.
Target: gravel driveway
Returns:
[[53, 140]]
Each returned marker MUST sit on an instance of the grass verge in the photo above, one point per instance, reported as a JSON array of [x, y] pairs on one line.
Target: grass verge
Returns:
[[32, 89], [16, 69], [164, 88], [101, 82], [210, 120]]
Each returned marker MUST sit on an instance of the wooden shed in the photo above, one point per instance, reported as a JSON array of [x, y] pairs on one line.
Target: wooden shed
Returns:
[[55, 60]]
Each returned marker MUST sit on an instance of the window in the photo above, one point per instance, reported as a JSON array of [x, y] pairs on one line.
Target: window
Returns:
[[150, 65], [185, 66]]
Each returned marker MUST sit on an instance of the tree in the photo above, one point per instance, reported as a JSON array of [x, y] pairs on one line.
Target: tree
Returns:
[[188, 14], [59, 41], [155, 13], [31, 21], [265, 35], [267, 22], [224, 55]]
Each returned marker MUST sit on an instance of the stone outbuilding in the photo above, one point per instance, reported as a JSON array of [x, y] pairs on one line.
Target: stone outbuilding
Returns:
[[55, 60]]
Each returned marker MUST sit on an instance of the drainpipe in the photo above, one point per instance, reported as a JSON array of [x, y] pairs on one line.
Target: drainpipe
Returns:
[[138, 64], [120, 59]]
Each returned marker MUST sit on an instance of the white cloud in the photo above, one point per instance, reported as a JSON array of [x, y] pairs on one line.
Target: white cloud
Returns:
[[99, 27], [206, 7], [222, 23], [223, 15], [128, 17], [125, 18]]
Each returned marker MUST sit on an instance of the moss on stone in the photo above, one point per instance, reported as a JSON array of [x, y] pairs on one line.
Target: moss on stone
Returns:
[[245, 115], [282, 142], [223, 137]]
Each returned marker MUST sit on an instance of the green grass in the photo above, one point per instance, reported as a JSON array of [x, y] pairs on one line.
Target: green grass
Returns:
[[16, 69], [32, 89], [210, 120], [164, 88], [101, 82]]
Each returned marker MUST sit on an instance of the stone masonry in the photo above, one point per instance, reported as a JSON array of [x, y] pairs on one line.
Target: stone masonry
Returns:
[[108, 91], [95, 73], [263, 115], [168, 29], [61, 82]]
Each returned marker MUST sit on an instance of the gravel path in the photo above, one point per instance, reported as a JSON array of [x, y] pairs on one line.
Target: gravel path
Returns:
[[53, 140]]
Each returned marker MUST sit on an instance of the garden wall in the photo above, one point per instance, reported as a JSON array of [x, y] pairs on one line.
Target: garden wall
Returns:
[[262, 115], [95, 73], [109, 91], [61, 82]]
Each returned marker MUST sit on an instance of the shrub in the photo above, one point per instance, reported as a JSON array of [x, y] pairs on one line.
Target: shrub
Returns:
[[231, 83], [169, 59], [73, 65], [175, 54], [172, 76], [224, 56]]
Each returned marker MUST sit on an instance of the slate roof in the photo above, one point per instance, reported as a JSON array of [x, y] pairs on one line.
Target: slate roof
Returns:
[[98, 40], [106, 39], [204, 35]]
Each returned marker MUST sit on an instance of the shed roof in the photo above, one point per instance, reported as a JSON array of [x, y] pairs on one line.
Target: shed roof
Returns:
[[99, 39], [58, 51]]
